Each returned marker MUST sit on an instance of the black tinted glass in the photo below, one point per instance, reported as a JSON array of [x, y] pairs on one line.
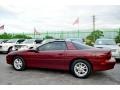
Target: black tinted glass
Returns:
[[80, 46], [53, 46]]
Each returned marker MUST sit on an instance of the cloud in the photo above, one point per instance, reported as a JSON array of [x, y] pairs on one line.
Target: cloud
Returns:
[[24, 15]]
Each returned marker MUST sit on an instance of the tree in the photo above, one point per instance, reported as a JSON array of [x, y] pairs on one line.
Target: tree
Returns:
[[21, 36], [17, 36], [91, 38], [117, 38], [5, 36]]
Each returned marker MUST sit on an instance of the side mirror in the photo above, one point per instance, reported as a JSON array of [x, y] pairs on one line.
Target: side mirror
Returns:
[[37, 49], [33, 51]]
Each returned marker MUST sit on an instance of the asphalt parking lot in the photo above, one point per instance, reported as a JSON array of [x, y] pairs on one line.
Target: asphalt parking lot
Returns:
[[8, 76]]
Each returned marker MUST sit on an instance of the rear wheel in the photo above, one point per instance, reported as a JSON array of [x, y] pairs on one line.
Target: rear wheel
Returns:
[[18, 64], [81, 68]]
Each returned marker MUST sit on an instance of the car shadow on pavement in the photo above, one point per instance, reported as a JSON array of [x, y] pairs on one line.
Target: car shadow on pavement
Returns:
[[63, 77], [117, 60], [1, 53], [56, 72]]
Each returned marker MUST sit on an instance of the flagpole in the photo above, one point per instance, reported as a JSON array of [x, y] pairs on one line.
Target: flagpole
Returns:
[[93, 22], [34, 32]]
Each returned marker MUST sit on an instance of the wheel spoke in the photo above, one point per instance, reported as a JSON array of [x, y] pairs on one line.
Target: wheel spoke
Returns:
[[80, 69], [18, 63]]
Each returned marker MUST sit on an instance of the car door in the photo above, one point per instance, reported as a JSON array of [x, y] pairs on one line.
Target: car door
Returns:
[[52, 55]]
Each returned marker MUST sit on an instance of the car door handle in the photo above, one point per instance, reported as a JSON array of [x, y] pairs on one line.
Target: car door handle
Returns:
[[60, 54]]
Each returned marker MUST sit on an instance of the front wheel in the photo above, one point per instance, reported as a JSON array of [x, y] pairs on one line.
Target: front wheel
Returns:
[[18, 64], [81, 68], [9, 50]]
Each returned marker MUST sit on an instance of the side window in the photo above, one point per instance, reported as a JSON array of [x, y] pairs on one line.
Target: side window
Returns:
[[57, 45], [80, 46]]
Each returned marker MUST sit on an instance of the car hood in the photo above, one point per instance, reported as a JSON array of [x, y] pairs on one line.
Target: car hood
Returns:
[[3, 44]]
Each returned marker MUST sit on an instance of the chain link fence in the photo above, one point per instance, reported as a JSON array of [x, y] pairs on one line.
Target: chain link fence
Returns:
[[73, 34]]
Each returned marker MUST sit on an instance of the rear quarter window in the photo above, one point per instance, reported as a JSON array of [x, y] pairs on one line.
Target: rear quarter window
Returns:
[[80, 46]]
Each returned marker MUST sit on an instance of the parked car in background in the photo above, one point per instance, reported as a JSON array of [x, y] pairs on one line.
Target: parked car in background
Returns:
[[27, 44], [6, 47], [3, 40], [108, 43], [75, 39], [81, 60]]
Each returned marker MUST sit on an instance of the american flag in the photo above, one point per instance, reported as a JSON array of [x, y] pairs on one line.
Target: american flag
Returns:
[[2, 27], [76, 21]]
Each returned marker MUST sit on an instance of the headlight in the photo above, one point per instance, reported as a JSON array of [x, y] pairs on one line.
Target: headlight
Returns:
[[5, 46]]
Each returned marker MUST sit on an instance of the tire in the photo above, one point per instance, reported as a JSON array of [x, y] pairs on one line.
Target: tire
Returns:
[[81, 68], [18, 64], [9, 50]]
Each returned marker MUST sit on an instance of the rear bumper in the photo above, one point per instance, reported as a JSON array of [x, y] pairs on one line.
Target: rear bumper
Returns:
[[105, 65]]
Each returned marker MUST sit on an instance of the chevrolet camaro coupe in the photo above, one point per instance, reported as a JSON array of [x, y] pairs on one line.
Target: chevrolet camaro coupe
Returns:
[[81, 60]]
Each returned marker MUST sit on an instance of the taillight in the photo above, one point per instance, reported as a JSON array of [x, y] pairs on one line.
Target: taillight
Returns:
[[103, 56]]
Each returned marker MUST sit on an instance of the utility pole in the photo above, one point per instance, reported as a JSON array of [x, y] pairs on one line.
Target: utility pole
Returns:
[[93, 22], [94, 27]]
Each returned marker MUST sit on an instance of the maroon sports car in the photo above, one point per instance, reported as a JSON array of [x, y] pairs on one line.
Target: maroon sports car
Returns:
[[81, 60]]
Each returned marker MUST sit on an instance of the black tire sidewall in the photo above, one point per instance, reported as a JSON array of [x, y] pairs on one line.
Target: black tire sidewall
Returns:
[[23, 64], [86, 63], [10, 49]]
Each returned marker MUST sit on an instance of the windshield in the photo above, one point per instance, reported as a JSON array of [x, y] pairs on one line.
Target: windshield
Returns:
[[105, 42], [29, 41], [12, 41]]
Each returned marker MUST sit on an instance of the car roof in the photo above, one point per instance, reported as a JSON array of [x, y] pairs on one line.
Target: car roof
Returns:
[[73, 38], [56, 40]]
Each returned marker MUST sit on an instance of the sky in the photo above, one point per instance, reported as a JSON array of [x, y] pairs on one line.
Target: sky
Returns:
[[22, 16]]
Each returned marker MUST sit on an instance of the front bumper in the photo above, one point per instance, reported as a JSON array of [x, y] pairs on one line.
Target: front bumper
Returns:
[[105, 65], [3, 49]]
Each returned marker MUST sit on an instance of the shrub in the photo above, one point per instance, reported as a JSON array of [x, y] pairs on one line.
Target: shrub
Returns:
[[17, 36], [48, 37], [91, 38]]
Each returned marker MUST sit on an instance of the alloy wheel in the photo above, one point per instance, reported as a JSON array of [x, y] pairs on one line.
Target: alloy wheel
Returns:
[[18, 63]]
